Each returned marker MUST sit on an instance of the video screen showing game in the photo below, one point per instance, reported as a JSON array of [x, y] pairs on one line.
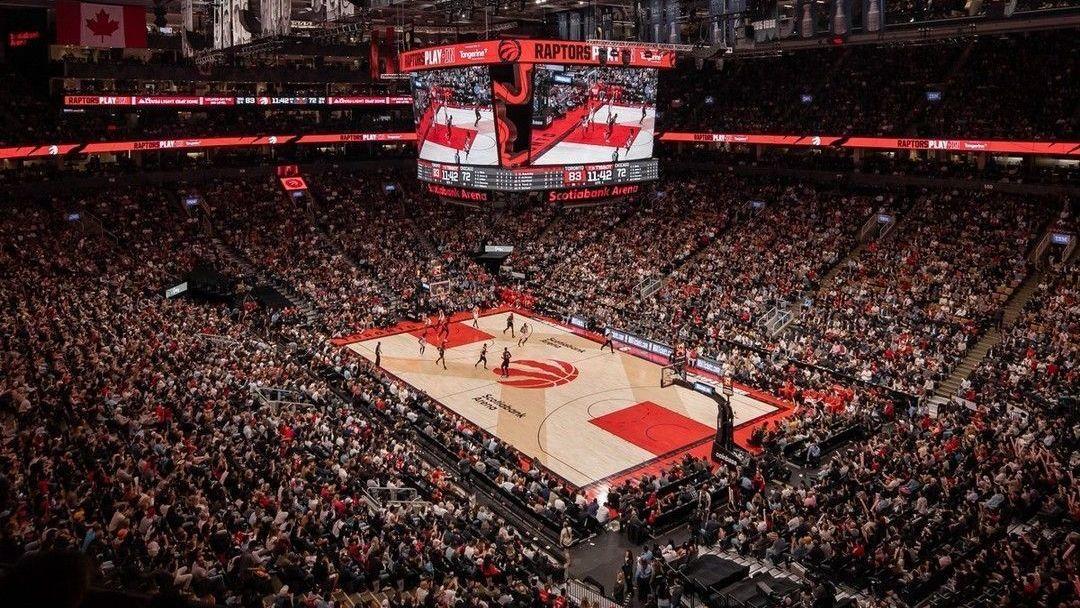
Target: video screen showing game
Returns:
[[454, 118], [592, 114]]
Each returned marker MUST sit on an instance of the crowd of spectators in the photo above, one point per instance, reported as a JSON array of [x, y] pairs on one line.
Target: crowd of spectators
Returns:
[[792, 235], [190, 454], [656, 234], [1037, 356], [84, 125], [905, 309], [156, 441], [384, 239], [977, 89], [931, 500]]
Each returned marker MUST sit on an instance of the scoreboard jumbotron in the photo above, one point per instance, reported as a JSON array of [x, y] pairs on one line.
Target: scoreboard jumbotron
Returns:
[[536, 115]]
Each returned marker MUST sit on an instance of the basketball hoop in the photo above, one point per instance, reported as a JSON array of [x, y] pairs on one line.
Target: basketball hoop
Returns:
[[668, 375]]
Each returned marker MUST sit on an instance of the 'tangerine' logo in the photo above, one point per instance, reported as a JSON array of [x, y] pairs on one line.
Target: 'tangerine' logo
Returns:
[[526, 373]]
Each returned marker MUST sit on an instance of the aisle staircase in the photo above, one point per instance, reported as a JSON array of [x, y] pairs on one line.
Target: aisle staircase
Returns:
[[991, 338], [871, 232], [299, 302]]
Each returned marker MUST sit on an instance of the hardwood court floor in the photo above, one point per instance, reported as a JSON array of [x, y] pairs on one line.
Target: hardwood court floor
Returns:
[[584, 414]]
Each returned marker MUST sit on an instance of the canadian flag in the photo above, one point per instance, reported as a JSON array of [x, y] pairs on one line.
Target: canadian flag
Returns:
[[100, 25]]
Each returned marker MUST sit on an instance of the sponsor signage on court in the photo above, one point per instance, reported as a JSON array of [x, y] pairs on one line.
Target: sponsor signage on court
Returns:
[[703, 388], [643, 343], [708, 365], [562, 52]]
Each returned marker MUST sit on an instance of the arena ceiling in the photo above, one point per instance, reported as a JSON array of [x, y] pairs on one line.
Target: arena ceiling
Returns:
[[431, 13], [451, 12]]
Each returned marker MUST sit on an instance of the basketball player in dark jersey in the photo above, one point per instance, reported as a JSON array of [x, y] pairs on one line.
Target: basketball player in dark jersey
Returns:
[[483, 356], [509, 325], [505, 363], [442, 354]]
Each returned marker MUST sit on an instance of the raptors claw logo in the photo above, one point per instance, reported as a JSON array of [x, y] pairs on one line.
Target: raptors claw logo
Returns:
[[509, 50], [526, 373]]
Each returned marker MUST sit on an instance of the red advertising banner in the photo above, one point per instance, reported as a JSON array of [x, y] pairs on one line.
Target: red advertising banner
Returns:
[[536, 51], [879, 143], [738, 138], [184, 144], [98, 100], [36, 151], [883, 143], [204, 101], [966, 145], [346, 138]]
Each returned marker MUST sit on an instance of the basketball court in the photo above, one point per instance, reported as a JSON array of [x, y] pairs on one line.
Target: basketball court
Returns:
[[584, 414], [466, 141], [573, 143]]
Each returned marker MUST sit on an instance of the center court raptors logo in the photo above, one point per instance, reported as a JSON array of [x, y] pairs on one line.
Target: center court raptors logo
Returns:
[[509, 50], [549, 373]]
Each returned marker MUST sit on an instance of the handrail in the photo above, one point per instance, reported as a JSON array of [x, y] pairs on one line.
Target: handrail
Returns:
[[219, 339], [99, 224], [649, 285], [580, 590], [383, 496]]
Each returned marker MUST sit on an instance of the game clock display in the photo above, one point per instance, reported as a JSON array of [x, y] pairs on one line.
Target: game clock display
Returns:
[[526, 179]]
